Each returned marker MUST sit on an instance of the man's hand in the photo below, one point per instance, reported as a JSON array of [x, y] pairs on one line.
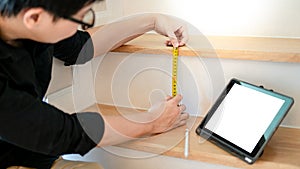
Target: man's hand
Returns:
[[160, 118], [168, 114], [173, 28]]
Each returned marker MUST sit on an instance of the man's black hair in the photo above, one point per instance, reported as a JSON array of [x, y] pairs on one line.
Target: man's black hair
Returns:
[[58, 8]]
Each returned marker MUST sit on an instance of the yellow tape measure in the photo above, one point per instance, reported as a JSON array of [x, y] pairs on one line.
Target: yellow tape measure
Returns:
[[174, 71]]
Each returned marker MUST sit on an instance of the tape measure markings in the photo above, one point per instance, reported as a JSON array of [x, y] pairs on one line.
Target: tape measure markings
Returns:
[[174, 71]]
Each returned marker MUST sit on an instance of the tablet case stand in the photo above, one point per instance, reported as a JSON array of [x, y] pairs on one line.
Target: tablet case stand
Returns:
[[261, 153]]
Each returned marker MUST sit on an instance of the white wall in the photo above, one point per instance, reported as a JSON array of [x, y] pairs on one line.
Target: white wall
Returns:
[[274, 18], [136, 79], [139, 80]]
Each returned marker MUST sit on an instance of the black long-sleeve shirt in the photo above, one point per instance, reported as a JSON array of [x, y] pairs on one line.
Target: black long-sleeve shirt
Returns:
[[34, 133]]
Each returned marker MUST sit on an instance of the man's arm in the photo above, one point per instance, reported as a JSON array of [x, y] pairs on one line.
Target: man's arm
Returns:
[[108, 37]]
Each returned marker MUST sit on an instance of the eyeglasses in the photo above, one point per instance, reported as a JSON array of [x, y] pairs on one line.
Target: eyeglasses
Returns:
[[88, 20]]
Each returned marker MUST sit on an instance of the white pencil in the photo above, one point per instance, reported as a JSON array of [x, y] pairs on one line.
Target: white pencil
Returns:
[[186, 144]]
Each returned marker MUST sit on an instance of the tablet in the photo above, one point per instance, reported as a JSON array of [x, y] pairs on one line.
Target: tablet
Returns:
[[244, 118]]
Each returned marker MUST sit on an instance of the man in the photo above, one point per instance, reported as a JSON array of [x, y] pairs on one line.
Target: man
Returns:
[[32, 32]]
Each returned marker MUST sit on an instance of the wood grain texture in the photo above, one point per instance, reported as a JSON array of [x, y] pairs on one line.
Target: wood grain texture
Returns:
[[283, 150], [243, 48]]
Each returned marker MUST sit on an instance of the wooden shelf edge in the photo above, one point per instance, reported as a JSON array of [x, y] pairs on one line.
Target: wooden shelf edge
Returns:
[[240, 48]]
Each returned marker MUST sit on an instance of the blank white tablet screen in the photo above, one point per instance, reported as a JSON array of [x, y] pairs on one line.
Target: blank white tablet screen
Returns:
[[244, 116]]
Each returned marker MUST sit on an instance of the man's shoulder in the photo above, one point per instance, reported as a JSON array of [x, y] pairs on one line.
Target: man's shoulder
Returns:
[[7, 51]]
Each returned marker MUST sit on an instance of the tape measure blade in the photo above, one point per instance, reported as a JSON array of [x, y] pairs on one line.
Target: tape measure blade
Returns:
[[174, 71]]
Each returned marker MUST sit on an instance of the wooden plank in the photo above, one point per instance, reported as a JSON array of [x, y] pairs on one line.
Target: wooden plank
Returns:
[[283, 151], [243, 48]]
